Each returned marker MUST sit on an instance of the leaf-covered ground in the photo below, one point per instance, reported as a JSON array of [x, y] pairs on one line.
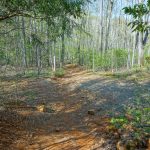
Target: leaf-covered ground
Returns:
[[79, 111]]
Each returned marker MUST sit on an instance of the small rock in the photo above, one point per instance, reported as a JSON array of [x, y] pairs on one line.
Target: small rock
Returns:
[[91, 112], [120, 131], [125, 135], [57, 129], [41, 108], [121, 146], [116, 134]]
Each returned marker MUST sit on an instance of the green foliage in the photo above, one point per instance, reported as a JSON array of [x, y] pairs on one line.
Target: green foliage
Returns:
[[59, 73], [2, 54], [104, 62], [119, 122], [147, 59], [2, 57], [32, 73], [148, 3], [138, 11], [137, 116], [120, 57], [29, 95], [47, 9], [148, 62], [121, 75]]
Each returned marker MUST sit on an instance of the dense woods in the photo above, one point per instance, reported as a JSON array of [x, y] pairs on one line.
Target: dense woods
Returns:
[[51, 34], [75, 74]]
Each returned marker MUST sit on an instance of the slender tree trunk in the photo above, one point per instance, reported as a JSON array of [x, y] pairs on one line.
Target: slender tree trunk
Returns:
[[63, 48], [112, 60], [93, 51], [133, 50], [24, 59], [141, 50], [102, 27], [17, 43], [128, 60], [54, 65], [37, 48], [140, 45], [110, 6]]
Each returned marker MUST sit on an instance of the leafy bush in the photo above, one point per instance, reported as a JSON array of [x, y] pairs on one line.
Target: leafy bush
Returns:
[[148, 59], [3, 60], [137, 117], [59, 73], [121, 57], [148, 62], [119, 122], [116, 58]]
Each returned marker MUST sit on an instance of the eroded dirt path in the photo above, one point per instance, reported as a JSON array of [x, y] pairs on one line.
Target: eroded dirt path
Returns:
[[65, 123]]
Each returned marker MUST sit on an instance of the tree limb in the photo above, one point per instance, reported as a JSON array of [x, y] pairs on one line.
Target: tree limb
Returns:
[[11, 15]]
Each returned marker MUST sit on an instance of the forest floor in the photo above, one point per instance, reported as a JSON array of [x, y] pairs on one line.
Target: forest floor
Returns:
[[69, 113]]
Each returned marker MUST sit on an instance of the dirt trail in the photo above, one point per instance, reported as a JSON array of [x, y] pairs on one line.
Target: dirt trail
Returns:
[[111, 94], [66, 125]]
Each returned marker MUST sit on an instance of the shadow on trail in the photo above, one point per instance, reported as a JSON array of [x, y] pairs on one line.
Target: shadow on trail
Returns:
[[11, 128], [67, 129], [112, 95]]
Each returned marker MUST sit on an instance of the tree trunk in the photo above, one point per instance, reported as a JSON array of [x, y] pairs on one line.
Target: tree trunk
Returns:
[[133, 50], [54, 65], [141, 50], [102, 27], [63, 48], [110, 7], [38, 53], [24, 59], [140, 45]]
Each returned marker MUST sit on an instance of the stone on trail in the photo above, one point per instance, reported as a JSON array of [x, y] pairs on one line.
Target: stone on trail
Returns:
[[121, 146], [91, 112], [83, 96], [57, 130], [41, 108]]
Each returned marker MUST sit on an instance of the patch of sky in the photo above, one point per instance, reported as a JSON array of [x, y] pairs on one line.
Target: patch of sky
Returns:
[[95, 7]]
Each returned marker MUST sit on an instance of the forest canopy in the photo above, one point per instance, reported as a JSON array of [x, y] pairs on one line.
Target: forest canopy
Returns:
[[91, 33], [41, 9]]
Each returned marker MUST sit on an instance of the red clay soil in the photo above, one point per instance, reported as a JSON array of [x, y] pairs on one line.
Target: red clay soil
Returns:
[[58, 118]]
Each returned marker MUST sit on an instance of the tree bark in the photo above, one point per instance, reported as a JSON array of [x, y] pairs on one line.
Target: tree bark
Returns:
[[110, 7], [63, 48], [24, 58]]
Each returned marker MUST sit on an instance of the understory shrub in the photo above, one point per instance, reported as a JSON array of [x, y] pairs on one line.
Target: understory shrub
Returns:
[[113, 58], [137, 116], [59, 73]]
